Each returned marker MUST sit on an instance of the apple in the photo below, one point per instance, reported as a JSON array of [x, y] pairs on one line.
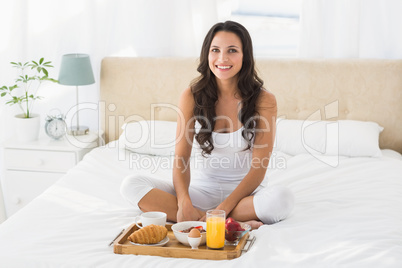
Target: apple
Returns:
[[233, 229]]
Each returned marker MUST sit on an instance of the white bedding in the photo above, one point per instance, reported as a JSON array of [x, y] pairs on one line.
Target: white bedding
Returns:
[[350, 216]]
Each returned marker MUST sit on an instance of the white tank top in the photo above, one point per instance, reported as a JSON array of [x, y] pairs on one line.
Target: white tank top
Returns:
[[229, 161]]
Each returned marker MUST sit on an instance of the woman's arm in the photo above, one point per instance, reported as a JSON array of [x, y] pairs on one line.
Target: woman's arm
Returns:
[[181, 168], [262, 149]]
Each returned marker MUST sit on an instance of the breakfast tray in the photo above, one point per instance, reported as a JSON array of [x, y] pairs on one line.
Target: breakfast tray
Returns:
[[177, 250]]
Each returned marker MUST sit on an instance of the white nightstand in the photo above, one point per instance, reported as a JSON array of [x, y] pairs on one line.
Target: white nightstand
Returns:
[[31, 167]]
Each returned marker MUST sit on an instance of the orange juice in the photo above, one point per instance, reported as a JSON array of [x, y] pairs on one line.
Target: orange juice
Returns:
[[216, 231]]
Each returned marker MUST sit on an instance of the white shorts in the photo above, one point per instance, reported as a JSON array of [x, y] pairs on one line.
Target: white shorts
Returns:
[[271, 204]]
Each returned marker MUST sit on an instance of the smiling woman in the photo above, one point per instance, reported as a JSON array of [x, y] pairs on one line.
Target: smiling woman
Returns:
[[227, 100]]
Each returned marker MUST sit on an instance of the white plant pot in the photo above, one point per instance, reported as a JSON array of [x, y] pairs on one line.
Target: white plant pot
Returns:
[[27, 128]]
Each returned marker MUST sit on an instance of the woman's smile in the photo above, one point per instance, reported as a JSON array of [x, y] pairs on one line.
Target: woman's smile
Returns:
[[223, 67]]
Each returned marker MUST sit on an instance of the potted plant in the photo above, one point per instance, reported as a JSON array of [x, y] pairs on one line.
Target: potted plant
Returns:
[[24, 93]]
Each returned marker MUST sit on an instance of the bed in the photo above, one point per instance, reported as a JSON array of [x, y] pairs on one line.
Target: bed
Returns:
[[338, 149]]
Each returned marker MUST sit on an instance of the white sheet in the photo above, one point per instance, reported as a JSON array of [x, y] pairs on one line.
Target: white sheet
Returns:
[[345, 216]]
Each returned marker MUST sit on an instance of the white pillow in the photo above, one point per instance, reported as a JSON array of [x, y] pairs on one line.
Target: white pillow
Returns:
[[332, 138], [149, 137]]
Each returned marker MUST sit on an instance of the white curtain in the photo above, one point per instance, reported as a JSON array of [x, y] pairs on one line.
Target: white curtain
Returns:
[[50, 28], [351, 29]]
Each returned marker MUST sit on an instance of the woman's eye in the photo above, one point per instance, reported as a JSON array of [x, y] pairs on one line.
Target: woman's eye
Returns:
[[232, 50], [215, 50]]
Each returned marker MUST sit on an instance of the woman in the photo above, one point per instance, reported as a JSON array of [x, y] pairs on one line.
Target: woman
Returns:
[[231, 118]]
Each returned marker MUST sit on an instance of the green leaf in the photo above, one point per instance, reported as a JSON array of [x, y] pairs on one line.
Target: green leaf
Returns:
[[14, 63], [45, 72], [3, 94], [41, 60], [17, 65], [35, 62]]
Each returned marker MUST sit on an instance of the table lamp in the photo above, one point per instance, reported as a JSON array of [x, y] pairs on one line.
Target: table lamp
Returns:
[[76, 70]]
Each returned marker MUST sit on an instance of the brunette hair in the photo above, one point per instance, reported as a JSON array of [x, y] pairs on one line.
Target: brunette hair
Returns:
[[204, 88]]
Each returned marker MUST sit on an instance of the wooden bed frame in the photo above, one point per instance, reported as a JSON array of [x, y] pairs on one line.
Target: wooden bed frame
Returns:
[[134, 89]]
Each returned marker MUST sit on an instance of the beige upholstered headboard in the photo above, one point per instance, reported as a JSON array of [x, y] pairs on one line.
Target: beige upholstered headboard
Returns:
[[370, 90]]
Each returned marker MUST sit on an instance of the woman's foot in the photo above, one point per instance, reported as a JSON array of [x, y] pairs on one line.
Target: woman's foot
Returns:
[[254, 224]]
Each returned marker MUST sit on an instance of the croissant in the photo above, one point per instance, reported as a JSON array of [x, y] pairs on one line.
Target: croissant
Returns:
[[150, 234]]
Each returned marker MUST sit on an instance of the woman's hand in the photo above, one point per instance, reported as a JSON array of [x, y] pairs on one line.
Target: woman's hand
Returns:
[[220, 207], [203, 218], [187, 212]]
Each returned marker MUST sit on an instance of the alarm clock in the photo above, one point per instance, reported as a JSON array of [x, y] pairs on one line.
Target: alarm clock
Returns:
[[55, 126]]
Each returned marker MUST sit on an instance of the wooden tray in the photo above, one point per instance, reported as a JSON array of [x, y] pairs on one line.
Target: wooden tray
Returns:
[[176, 249]]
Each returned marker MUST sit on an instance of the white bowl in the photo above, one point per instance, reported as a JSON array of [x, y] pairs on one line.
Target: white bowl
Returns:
[[182, 237]]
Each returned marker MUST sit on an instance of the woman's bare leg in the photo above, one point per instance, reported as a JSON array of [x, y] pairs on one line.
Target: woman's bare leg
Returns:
[[158, 200], [244, 212]]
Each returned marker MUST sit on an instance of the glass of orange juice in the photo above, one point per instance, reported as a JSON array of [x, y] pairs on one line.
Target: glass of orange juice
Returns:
[[215, 229]]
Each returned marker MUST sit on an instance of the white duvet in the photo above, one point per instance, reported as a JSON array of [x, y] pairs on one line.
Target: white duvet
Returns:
[[347, 216]]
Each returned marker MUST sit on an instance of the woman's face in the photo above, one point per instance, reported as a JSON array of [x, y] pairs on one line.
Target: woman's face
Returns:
[[225, 55]]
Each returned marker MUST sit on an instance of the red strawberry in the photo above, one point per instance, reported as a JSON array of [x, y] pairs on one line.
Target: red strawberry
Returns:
[[232, 228], [229, 220]]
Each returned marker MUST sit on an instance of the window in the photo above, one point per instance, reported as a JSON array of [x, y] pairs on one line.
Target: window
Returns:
[[273, 25]]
